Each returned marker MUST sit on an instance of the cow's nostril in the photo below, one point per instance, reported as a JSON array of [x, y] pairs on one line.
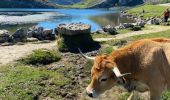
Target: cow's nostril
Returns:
[[89, 94]]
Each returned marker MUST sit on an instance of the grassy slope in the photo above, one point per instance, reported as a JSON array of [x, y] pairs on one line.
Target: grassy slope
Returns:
[[25, 82], [84, 4], [152, 35], [150, 11], [26, 4]]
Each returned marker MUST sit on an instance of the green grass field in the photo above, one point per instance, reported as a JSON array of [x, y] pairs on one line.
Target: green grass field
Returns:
[[150, 11], [21, 82], [165, 34], [83, 4]]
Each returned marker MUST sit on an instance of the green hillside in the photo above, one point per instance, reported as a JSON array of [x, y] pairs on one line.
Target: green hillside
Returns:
[[26, 4]]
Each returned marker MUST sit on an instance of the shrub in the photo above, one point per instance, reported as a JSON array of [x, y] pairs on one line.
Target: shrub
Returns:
[[42, 56]]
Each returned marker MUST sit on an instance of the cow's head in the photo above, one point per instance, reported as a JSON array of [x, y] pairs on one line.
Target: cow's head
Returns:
[[104, 75]]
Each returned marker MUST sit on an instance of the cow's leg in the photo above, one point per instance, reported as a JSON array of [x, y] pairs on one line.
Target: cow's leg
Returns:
[[155, 95], [156, 91], [133, 95]]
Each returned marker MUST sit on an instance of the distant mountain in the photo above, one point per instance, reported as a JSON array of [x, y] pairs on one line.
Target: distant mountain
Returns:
[[113, 3], [73, 3], [26, 4], [106, 3]]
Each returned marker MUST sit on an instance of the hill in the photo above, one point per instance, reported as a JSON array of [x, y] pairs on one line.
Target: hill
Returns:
[[65, 2], [113, 3], [26, 4]]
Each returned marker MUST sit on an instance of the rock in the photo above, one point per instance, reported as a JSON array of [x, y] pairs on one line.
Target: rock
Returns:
[[30, 33], [119, 27], [20, 35], [127, 25], [101, 31], [110, 29], [136, 28], [48, 34], [7, 44], [4, 36], [140, 23], [32, 39], [40, 30], [154, 21], [41, 33], [56, 32], [74, 29]]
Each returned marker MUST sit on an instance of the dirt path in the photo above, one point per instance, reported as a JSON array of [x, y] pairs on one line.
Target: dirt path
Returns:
[[166, 4], [8, 54], [152, 29]]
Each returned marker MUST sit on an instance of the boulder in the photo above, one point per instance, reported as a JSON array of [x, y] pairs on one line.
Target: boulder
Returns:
[[41, 33], [74, 29], [127, 25], [48, 34], [101, 31], [109, 29], [119, 27], [154, 21], [4, 36], [136, 28], [30, 33], [140, 23], [32, 39], [20, 35]]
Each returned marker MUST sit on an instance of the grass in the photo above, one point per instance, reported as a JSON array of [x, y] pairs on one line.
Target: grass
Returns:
[[41, 56], [165, 34], [84, 4], [107, 50], [150, 11], [29, 83], [101, 36]]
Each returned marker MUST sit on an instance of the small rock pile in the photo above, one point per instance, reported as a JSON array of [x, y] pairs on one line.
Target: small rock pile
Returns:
[[41, 33], [22, 35], [154, 21]]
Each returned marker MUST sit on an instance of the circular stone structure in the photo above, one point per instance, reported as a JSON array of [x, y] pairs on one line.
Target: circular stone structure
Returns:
[[74, 29], [74, 36]]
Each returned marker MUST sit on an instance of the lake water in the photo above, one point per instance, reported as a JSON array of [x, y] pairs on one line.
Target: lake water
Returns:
[[11, 19]]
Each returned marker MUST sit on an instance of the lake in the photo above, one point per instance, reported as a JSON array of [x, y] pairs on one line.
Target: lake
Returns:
[[11, 19]]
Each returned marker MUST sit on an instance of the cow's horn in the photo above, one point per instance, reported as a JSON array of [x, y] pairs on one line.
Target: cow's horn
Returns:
[[118, 74], [90, 58]]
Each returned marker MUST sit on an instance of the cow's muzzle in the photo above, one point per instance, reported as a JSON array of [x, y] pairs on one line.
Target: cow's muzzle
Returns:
[[89, 94]]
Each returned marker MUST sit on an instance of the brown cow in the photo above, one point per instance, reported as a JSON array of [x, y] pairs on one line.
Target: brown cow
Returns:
[[142, 65]]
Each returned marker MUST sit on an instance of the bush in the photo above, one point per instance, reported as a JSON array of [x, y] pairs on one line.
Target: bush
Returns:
[[42, 56]]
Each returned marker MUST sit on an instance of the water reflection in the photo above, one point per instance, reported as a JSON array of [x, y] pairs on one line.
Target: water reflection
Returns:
[[94, 17]]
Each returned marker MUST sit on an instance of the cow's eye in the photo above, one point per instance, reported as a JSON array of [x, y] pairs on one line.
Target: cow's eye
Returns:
[[104, 79]]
